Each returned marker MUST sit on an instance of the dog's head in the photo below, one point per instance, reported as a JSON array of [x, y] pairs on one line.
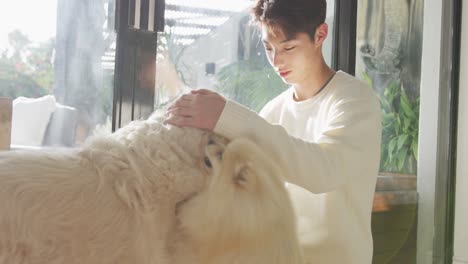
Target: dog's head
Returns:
[[164, 160], [244, 199], [155, 140]]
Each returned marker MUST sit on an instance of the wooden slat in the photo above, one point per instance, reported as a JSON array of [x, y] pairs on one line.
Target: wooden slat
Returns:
[[396, 182], [144, 14], [5, 123], [384, 201], [130, 7]]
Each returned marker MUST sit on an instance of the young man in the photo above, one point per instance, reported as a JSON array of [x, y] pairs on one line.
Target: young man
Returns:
[[324, 130]]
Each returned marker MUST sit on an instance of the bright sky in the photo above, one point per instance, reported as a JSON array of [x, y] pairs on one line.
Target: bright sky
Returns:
[[35, 18]]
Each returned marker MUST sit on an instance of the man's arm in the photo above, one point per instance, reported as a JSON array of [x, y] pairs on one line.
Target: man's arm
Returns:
[[350, 142]]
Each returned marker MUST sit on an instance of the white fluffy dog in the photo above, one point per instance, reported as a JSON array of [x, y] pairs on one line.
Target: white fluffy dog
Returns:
[[244, 214], [111, 202], [114, 201]]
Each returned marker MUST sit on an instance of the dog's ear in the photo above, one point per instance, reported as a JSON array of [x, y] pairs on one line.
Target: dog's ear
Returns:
[[244, 176], [241, 161]]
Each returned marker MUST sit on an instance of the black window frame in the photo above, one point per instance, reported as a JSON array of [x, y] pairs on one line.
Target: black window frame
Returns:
[[135, 61]]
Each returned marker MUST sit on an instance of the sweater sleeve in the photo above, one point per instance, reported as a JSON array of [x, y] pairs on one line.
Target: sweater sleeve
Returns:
[[349, 141]]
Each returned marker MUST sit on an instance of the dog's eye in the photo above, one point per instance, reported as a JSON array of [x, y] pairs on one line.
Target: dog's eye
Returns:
[[208, 162]]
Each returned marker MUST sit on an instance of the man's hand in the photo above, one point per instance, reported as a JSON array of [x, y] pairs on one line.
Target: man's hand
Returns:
[[199, 109]]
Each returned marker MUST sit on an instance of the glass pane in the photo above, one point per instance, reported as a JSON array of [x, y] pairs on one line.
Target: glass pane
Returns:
[[57, 63], [211, 44], [389, 44]]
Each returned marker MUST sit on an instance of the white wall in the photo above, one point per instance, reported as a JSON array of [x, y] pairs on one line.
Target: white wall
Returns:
[[428, 120], [219, 46], [461, 207]]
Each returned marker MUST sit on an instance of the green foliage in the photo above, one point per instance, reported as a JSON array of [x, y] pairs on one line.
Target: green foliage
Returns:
[[250, 83], [41, 64], [400, 126], [28, 70], [14, 83]]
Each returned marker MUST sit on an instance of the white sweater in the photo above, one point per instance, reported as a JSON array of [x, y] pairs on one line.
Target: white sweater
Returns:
[[328, 145]]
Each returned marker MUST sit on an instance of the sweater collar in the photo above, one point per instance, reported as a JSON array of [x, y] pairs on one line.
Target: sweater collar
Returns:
[[302, 105]]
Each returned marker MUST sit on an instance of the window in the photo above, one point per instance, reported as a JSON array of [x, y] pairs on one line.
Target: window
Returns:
[[210, 44], [56, 63], [389, 44]]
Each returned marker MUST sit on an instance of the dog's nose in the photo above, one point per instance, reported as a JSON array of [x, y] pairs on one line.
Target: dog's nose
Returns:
[[211, 142]]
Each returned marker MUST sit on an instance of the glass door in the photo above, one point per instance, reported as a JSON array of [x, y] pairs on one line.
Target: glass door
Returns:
[[406, 51], [210, 44], [388, 57]]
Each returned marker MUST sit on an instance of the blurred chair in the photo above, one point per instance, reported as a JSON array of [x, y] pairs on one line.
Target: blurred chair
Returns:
[[41, 122], [61, 129]]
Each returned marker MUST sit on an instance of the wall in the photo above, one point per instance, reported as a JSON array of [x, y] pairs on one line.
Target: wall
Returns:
[[428, 122], [219, 47], [461, 207]]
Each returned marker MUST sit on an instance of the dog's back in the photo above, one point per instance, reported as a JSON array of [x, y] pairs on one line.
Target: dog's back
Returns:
[[110, 202], [55, 208]]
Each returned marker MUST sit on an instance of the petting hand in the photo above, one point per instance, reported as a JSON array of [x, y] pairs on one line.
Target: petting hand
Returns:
[[199, 109]]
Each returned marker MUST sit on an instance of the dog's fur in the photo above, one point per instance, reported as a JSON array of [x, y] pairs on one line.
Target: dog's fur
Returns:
[[243, 215], [113, 201]]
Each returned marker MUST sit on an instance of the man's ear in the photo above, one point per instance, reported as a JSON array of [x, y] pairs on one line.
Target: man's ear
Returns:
[[321, 34]]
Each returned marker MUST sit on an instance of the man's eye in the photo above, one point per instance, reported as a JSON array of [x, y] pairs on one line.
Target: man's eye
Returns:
[[290, 48]]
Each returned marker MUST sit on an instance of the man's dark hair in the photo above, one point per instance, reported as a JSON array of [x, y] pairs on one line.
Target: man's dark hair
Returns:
[[290, 16]]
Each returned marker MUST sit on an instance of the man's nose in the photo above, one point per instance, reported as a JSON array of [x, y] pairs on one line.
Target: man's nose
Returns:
[[278, 59]]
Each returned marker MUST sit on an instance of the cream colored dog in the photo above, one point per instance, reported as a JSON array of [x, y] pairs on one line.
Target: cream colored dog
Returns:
[[242, 216], [111, 202]]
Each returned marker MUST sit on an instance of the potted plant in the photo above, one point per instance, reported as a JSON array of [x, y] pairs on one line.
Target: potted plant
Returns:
[[400, 128], [400, 125]]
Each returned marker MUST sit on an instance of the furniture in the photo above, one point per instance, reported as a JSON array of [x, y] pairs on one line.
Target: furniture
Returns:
[[5, 123], [38, 122]]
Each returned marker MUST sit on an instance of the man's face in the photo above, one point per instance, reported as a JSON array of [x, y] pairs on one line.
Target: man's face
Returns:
[[292, 58]]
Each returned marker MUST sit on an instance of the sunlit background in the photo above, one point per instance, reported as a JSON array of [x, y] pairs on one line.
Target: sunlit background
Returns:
[[37, 19]]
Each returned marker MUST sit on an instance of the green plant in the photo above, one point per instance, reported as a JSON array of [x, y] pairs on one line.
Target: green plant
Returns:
[[250, 82], [26, 69], [14, 82], [400, 126]]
